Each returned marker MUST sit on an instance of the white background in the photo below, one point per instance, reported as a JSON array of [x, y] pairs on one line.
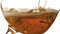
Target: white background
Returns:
[[54, 29], [31, 3]]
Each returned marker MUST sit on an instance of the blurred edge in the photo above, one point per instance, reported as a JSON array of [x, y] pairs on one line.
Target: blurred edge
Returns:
[[3, 22]]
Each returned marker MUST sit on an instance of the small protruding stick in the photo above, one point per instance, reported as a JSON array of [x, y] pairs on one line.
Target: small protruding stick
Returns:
[[45, 3], [38, 4], [42, 9]]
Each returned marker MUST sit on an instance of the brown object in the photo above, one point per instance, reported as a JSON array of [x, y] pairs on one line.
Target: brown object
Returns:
[[31, 23]]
